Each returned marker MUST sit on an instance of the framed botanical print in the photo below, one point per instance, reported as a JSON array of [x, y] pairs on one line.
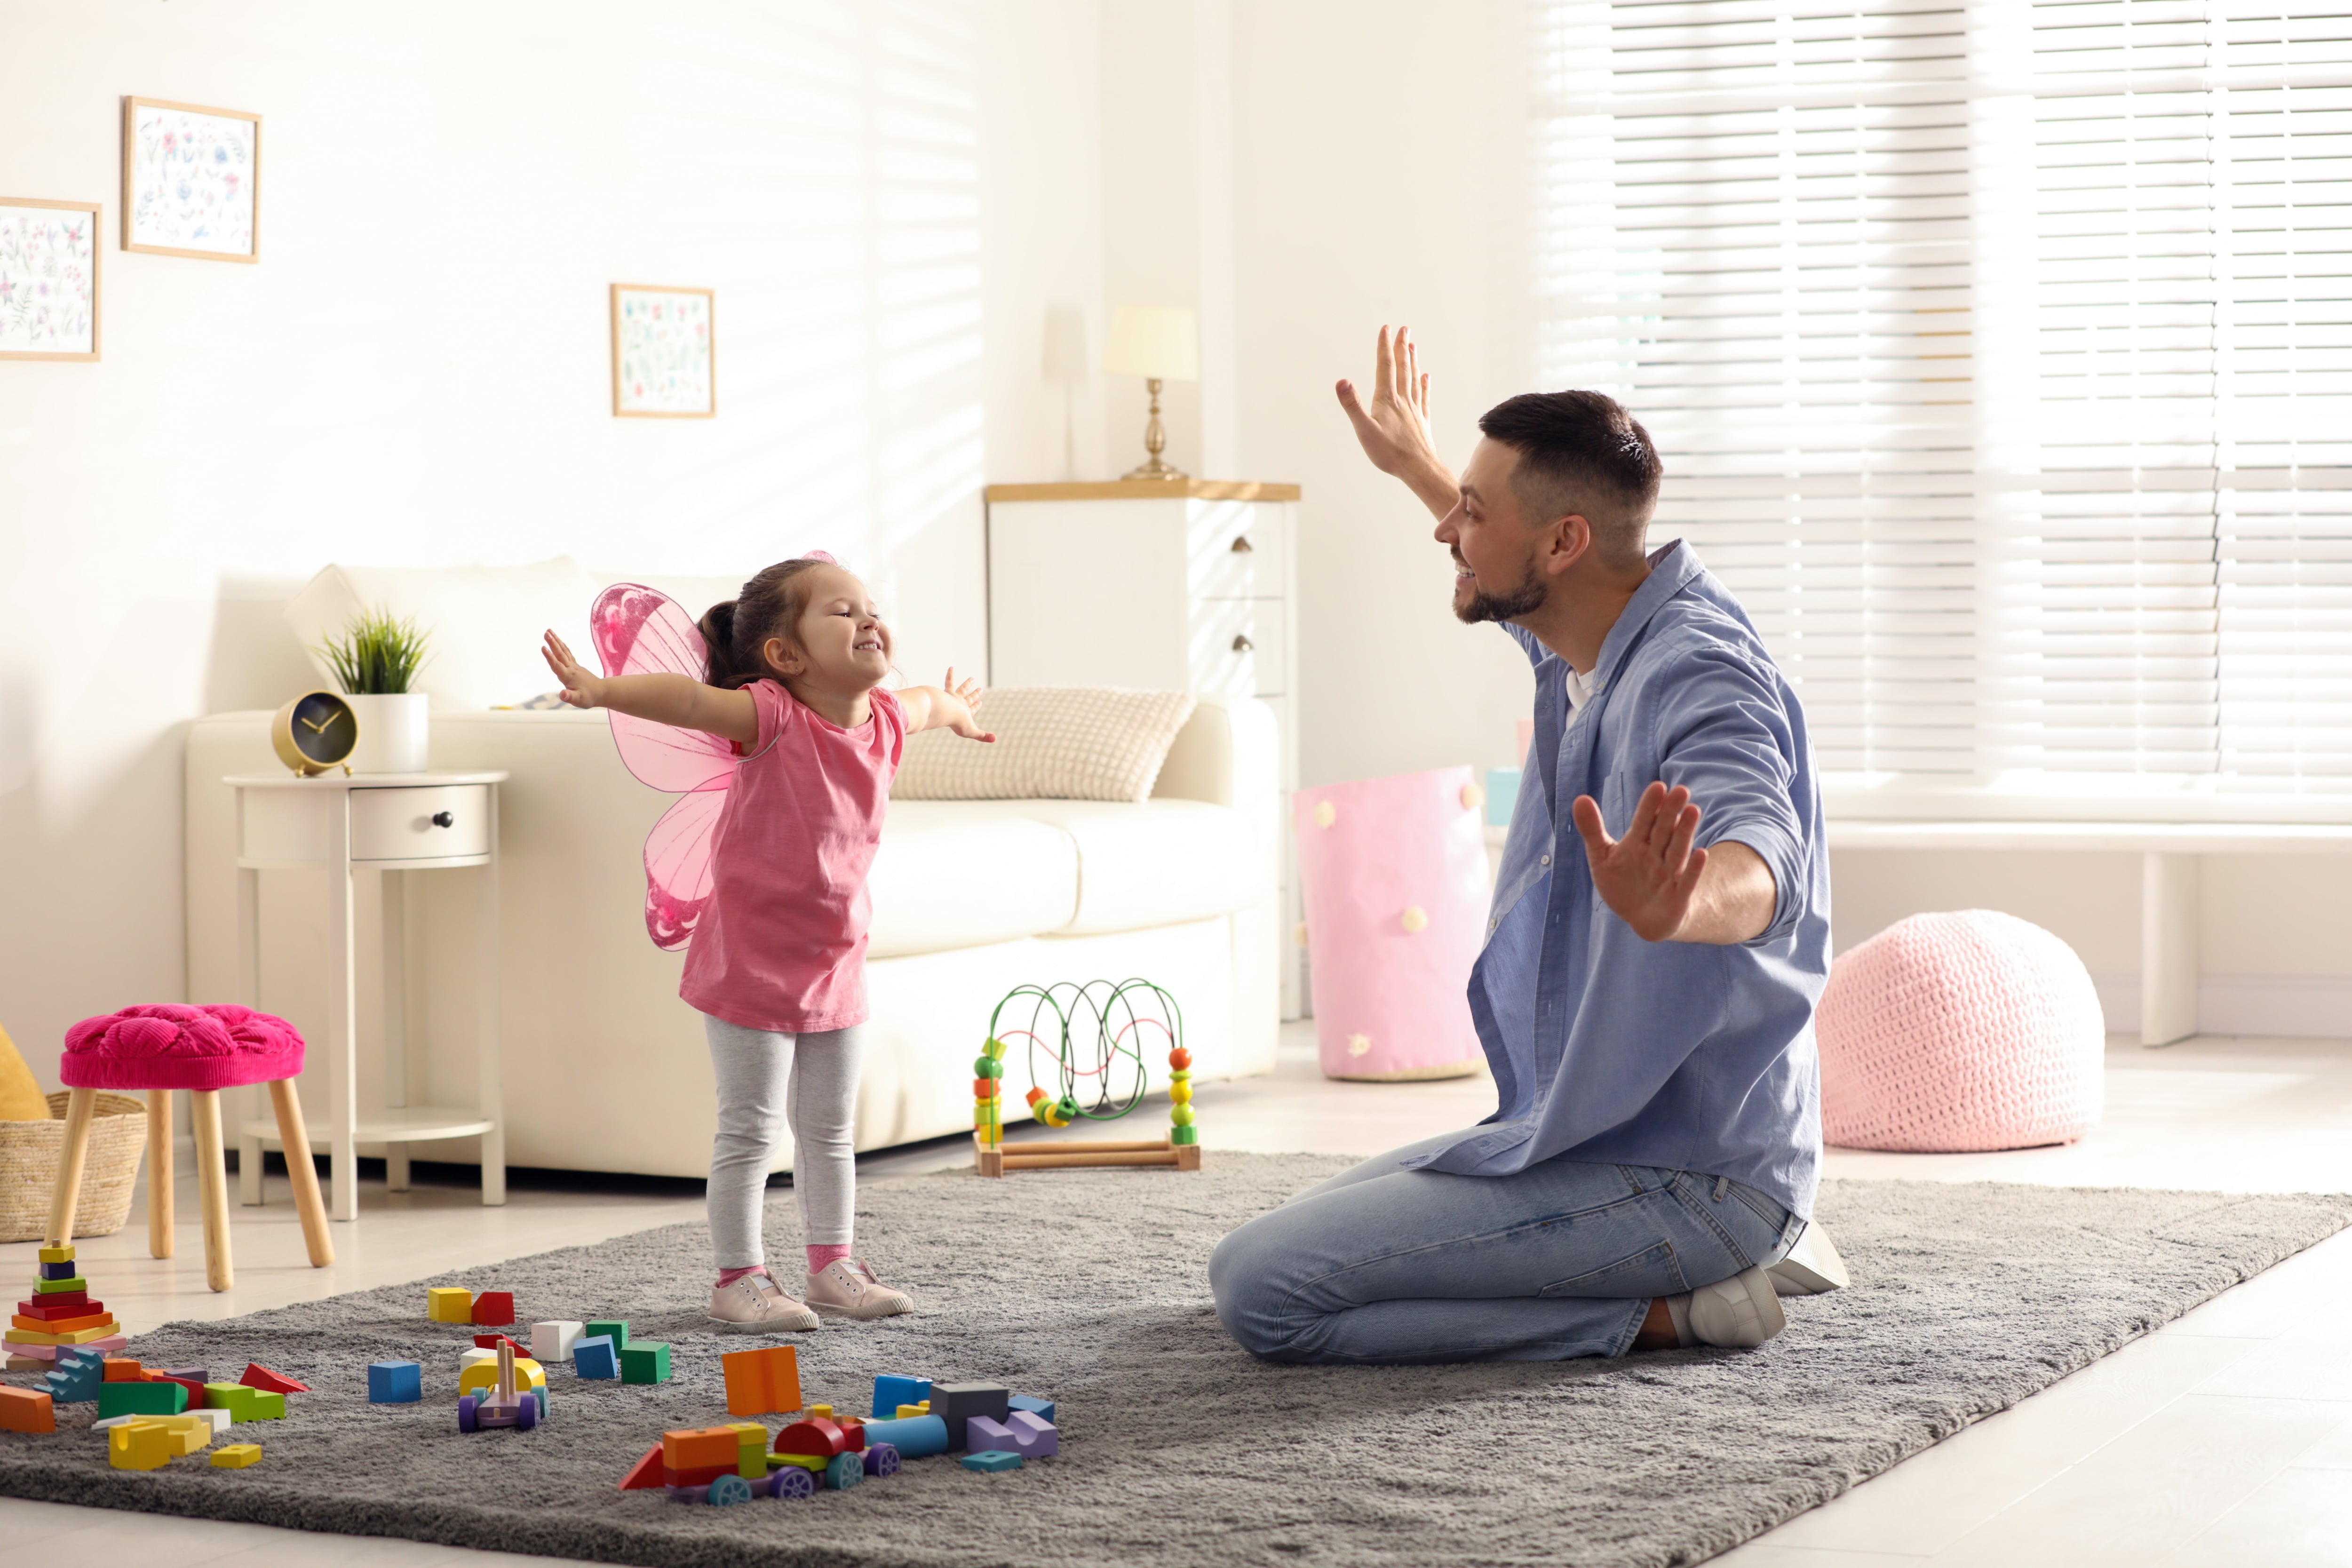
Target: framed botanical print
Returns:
[[48, 279], [665, 356], [191, 181]]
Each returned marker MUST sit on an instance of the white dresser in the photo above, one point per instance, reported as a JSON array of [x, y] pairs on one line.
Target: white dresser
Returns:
[[1183, 585]]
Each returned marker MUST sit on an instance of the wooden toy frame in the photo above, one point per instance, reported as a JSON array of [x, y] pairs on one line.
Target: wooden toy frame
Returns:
[[1101, 1003]]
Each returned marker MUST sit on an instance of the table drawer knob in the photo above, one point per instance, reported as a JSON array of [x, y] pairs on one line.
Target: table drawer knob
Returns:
[[1242, 645], [443, 819], [1242, 546]]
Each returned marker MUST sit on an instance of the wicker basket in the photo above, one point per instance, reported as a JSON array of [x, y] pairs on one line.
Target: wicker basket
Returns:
[[29, 1152]]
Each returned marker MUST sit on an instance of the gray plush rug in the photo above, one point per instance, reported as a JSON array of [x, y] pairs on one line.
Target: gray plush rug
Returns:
[[1089, 1287]]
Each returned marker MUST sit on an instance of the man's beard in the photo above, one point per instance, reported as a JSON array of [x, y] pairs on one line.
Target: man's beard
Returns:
[[1525, 599]]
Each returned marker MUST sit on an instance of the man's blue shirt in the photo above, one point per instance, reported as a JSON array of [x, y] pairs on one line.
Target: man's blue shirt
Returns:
[[1609, 1048]]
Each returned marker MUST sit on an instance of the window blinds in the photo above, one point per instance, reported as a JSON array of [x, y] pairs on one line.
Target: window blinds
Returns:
[[2001, 354]]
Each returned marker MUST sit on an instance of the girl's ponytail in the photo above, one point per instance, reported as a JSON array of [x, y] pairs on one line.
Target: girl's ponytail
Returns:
[[717, 626], [736, 629]]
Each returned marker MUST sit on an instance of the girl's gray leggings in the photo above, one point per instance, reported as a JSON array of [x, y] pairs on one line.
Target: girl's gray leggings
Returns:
[[767, 1081]]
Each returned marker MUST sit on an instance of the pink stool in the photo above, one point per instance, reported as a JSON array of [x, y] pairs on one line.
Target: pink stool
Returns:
[[1959, 1032], [1394, 874], [203, 1050]]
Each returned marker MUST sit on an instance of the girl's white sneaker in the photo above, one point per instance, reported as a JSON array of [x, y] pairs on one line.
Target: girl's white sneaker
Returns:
[[846, 1287], [758, 1303]]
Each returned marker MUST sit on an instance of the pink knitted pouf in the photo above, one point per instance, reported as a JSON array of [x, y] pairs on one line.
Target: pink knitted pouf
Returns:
[[1949, 1033], [168, 1046]]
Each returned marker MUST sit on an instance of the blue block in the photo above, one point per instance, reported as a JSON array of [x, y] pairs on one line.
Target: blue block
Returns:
[[595, 1358], [915, 1436], [1502, 794], [79, 1376], [994, 1459], [395, 1382], [59, 1270], [891, 1392], [1041, 1409]]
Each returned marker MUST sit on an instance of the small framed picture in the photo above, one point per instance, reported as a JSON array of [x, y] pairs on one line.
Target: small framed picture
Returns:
[[665, 353], [191, 181], [48, 279]]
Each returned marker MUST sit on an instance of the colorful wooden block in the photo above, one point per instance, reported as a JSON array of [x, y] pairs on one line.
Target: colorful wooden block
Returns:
[[266, 1407], [236, 1456], [593, 1356], [645, 1474], [751, 1450], [395, 1382], [552, 1341], [233, 1397], [958, 1403], [644, 1361], [58, 1254], [73, 1284], [218, 1420], [763, 1380], [485, 1374], [613, 1328], [194, 1385], [76, 1377], [140, 1446], [189, 1433], [27, 1410], [447, 1304], [122, 1369], [991, 1461], [492, 1308], [142, 1399], [915, 1436], [259, 1376], [1041, 1409], [691, 1447], [54, 1308], [65, 1270], [891, 1391]]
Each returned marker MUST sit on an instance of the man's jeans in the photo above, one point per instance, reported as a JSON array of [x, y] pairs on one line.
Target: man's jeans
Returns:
[[1561, 1259]]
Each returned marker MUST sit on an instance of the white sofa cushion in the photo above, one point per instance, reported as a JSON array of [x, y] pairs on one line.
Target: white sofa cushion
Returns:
[[483, 622], [1055, 743], [1153, 863], [947, 876]]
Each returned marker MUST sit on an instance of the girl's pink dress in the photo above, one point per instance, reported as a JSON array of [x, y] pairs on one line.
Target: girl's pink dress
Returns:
[[782, 944]]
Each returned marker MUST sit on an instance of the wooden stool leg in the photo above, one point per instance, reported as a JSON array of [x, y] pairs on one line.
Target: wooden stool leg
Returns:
[[292, 1133], [79, 1107], [212, 1182], [159, 1173]]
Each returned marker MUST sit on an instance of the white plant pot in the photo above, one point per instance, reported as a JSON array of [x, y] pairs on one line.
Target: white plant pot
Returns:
[[393, 733]]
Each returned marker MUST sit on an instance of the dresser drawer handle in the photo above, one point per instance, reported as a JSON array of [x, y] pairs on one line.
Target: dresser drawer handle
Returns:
[[1242, 546], [1242, 645], [443, 819]]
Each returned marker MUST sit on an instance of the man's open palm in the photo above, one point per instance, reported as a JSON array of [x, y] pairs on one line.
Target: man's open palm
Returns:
[[1648, 876], [1395, 427]]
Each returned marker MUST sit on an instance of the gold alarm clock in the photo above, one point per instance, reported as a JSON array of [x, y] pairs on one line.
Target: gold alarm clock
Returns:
[[314, 733]]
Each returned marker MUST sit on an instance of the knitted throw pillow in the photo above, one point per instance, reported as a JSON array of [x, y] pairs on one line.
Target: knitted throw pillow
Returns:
[[1947, 1033], [1053, 743]]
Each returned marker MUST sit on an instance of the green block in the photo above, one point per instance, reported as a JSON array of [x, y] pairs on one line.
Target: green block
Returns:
[[616, 1327], [233, 1397], [265, 1406], [644, 1361], [140, 1399], [56, 1286], [1183, 1135]]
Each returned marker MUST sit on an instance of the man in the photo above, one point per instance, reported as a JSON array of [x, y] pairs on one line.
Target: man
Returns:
[[1659, 935]]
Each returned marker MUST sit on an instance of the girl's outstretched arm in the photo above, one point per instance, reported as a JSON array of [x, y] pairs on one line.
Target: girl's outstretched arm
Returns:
[[678, 700], [946, 706]]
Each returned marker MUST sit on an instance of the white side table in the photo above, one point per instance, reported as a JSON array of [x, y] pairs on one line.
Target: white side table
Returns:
[[394, 823]]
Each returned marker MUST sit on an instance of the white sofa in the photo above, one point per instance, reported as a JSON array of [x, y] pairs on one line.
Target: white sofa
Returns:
[[605, 1070]]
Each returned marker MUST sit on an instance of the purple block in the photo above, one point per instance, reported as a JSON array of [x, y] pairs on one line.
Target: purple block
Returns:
[[1036, 1437], [982, 1434]]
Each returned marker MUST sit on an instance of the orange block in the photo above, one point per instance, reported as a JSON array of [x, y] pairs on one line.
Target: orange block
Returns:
[[701, 1447], [24, 1410], [62, 1325], [762, 1380], [122, 1369]]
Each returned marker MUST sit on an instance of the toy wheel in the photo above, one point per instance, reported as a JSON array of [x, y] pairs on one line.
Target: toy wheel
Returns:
[[527, 1412], [540, 1394], [882, 1459], [729, 1490], [844, 1471], [466, 1406], [791, 1481]]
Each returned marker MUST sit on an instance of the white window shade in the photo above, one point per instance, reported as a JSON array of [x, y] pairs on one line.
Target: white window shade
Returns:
[[2001, 355]]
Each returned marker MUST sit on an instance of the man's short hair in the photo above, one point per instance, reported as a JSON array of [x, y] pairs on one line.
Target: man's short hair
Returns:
[[1581, 452]]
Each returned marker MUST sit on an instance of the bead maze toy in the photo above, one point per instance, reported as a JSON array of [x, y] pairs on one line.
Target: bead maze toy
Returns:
[[1114, 1021]]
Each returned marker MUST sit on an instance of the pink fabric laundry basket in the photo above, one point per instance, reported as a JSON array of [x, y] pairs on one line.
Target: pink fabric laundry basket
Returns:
[[1394, 874], [1950, 1032]]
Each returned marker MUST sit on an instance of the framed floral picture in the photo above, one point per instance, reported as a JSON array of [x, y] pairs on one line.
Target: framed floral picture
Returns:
[[48, 279], [191, 181], [664, 355]]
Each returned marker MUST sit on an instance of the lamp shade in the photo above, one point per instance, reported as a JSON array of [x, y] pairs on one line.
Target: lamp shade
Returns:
[[1155, 342]]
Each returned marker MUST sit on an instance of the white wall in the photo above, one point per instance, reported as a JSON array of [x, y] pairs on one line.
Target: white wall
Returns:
[[891, 203]]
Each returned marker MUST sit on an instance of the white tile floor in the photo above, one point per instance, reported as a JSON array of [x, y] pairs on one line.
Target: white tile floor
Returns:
[[2223, 1439]]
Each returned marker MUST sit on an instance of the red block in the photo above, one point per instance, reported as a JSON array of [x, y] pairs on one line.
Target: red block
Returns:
[[194, 1385], [819, 1437], [645, 1474], [699, 1476], [259, 1376], [492, 1308], [24, 1410], [64, 1304], [492, 1341]]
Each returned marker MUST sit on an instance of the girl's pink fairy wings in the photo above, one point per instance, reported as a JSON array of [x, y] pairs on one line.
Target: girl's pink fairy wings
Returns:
[[643, 631]]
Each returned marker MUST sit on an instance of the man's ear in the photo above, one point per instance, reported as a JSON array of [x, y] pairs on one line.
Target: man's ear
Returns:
[[1571, 540]]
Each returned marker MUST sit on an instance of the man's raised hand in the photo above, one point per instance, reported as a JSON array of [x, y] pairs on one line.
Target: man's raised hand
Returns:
[[1394, 427], [1648, 876]]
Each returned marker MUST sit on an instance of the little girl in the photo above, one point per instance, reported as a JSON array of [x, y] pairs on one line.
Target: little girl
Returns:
[[777, 962]]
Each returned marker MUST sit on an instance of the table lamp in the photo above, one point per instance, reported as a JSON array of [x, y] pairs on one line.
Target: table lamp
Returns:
[[1158, 344]]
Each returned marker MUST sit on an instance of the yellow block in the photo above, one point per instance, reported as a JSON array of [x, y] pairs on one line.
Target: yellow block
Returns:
[[140, 1446], [236, 1456], [79, 1337], [751, 1450], [805, 1461], [906, 1411], [449, 1306], [58, 1254], [191, 1432], [485, 1374]]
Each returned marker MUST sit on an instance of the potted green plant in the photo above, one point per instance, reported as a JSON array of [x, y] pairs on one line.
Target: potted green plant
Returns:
[[375, 662]]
